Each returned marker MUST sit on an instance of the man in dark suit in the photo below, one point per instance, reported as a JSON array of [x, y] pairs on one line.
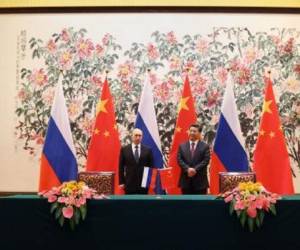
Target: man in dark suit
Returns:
[[193, 157], [133, 158]]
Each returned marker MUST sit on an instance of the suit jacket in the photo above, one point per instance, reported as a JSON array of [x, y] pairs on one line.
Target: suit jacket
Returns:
[[199, 162], [130, 171]]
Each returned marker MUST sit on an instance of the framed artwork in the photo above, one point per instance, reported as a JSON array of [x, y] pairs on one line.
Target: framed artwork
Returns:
[[85, 42]]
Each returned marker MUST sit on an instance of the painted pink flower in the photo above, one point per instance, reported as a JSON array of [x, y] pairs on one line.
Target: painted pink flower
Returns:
[[199, 89], [65, 35], [23, 95], [48, 96], [202, 46], [126, 86], [84, 48], [297, 69], [243, 75], [200, 83], [65, 60], [38, 77], [275, 39], [153, 53], [288, 46], [153, 79], [212, 98], [51, 46], [221, 75], [163, 91], [126, 70], [96, 80], [235, 64], [68, 212], [171, 39], [99, 50], [106, 39], [190, 65]]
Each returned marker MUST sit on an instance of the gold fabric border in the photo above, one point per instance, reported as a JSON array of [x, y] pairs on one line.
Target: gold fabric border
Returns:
[[141, 3]]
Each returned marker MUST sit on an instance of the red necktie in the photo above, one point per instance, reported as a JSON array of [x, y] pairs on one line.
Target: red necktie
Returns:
[[193, 149]]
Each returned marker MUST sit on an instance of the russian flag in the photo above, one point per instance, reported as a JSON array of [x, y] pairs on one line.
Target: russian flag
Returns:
[[229, 154], [58, 161], [149, 177], [146, 121]]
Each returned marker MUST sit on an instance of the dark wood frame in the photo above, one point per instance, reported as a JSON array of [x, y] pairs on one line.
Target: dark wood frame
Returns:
[[150, 9]]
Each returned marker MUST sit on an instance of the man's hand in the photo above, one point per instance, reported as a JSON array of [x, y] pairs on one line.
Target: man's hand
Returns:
[[191, 172]]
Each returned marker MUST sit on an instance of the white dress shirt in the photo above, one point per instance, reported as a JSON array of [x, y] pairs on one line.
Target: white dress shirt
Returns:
[[133, 148], [196, 143]]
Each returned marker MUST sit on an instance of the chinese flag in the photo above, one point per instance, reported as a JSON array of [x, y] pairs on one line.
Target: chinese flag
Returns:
[[271, 159], [166, 177], [104, 147], [186, 117]]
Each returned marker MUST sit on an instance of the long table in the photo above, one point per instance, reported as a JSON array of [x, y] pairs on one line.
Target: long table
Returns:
[[146, 222]]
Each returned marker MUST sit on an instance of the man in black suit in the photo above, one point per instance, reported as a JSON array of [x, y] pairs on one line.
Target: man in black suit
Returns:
[[133, 158], [193, 157]]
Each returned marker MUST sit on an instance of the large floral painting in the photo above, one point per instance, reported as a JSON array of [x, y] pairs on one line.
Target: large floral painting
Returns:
[[83, 63]]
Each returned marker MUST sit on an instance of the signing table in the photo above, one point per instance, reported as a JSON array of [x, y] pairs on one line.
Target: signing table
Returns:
[[146, 222]]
